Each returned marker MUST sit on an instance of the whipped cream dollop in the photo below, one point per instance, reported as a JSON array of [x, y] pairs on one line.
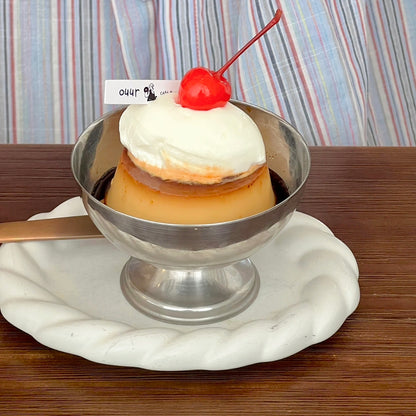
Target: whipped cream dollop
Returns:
[[178, 143]]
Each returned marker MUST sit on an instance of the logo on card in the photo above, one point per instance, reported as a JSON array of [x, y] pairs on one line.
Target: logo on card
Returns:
[[149, 92], [124, 91]]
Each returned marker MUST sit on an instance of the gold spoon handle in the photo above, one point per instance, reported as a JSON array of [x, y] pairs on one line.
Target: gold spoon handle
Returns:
[[65, 228]]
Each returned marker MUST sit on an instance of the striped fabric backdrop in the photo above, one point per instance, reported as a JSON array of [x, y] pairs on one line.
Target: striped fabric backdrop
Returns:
[[342, 71]]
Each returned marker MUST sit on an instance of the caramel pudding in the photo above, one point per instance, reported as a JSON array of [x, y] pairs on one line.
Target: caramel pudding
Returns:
[[135, 192], [184, 166]]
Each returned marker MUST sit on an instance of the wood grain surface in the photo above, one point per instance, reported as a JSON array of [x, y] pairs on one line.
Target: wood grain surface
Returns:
[[367, 196]]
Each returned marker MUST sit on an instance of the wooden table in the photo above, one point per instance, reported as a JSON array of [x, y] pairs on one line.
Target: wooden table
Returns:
[[367, 196]]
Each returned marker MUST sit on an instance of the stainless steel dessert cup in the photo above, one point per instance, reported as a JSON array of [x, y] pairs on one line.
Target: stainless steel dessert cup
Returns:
[[191, 274]]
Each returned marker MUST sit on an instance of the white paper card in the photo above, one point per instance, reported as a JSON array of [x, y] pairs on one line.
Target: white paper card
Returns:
[[137, 91]]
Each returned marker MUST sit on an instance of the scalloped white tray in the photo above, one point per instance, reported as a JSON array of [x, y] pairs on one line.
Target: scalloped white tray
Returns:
[[66, 294]]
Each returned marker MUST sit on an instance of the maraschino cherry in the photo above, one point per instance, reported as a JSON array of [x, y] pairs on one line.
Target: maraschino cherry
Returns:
[[203, 89]]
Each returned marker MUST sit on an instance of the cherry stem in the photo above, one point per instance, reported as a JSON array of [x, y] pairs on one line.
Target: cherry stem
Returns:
[[269, 25]]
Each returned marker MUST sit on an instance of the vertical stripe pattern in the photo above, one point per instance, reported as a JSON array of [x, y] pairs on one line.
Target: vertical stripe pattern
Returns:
[[56, 56], [343, 72]]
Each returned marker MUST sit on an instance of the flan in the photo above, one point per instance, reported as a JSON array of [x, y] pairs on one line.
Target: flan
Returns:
[[183, 166]]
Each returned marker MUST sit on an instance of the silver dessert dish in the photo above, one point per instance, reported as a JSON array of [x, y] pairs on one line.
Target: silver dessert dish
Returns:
[[191, 274]]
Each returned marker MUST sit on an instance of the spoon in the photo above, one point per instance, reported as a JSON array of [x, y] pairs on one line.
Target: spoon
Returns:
[[65, 228]]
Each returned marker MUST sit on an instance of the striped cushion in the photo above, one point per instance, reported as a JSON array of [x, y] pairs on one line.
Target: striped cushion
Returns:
[[342, 72]]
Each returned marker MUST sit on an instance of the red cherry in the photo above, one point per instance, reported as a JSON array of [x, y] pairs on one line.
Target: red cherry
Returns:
[[203, 89]]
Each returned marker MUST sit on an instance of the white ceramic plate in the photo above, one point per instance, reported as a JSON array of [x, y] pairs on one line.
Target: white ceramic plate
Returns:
[[66, 295]]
